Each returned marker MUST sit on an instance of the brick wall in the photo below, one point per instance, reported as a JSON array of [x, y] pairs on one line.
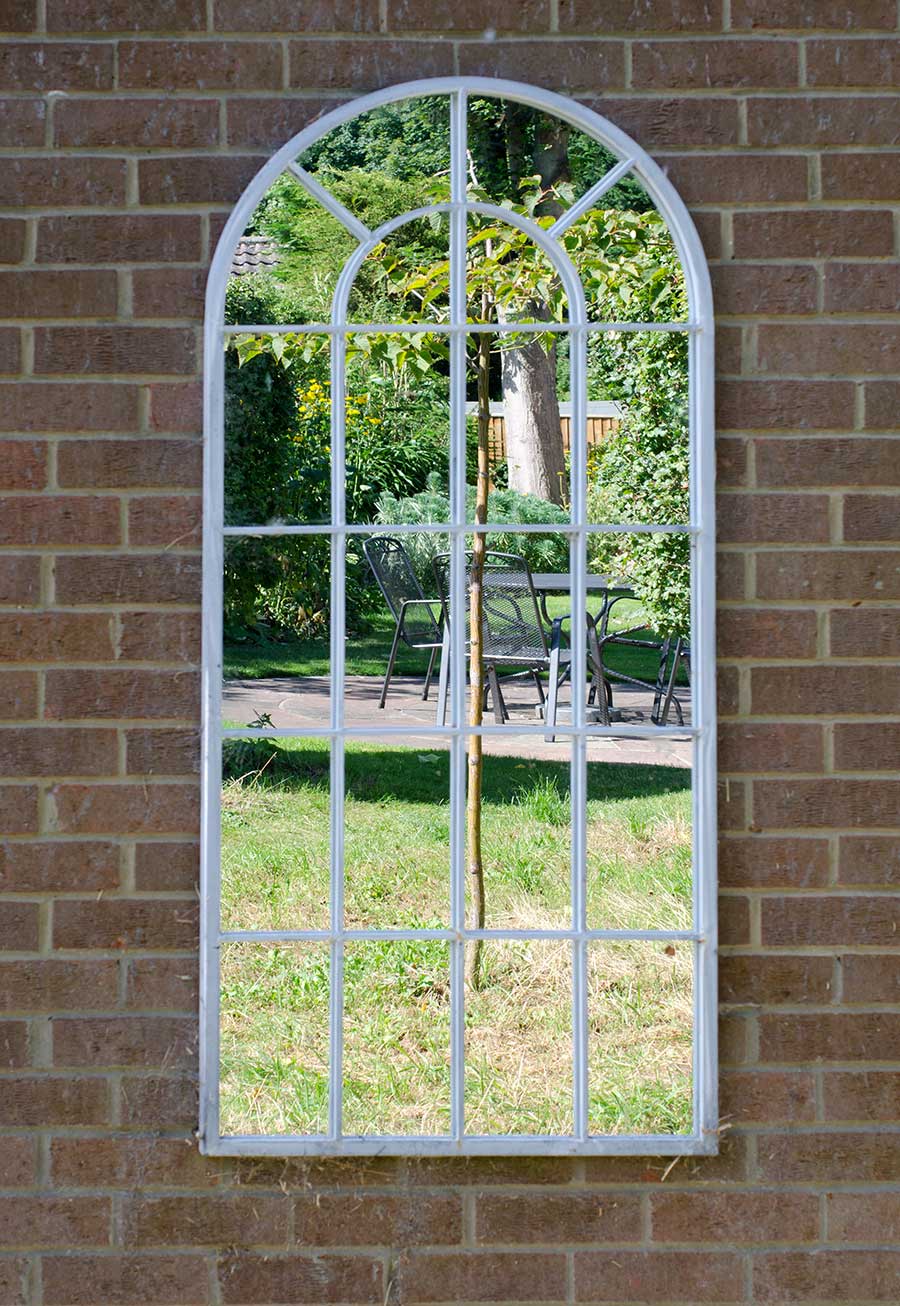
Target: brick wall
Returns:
[[129, 127]]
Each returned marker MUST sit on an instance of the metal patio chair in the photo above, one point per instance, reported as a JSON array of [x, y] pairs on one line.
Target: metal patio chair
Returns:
[[413, 613]]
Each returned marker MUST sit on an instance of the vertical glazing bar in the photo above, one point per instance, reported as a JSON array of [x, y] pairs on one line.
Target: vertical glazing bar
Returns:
[[457, 651], [338, 624], [578, 570]]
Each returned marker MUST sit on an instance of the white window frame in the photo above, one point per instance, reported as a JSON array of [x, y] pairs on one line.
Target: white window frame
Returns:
[[701, 528]]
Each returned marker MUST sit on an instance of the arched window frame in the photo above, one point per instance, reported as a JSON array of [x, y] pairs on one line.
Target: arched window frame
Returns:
[[699, 327]]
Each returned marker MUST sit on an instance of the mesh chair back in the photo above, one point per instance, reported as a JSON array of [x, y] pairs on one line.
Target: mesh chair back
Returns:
[[512, 629], [399, 584]]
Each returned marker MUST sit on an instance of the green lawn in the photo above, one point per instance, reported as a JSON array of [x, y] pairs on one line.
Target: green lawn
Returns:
[[275, 998]]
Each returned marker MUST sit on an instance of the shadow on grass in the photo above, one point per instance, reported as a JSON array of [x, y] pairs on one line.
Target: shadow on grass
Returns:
[[412, 775]]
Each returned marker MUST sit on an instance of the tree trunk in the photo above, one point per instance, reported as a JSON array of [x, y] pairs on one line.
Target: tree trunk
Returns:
[[474, 861], [534, 443]]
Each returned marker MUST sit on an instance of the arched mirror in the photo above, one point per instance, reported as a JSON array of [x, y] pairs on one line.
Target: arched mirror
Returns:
[[459, 822]]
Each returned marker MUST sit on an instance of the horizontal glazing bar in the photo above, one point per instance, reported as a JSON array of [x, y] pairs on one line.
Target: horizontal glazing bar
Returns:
[[563, 730], [470, 1144], [440, 328], [488, 528], [450, 936]]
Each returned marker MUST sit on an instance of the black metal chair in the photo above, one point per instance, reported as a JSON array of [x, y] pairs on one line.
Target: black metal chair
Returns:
[[413, 613], [514, 632], [674, 655]]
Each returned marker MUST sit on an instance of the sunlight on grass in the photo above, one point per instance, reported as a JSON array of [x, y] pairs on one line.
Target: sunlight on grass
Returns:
[[518, 1026]]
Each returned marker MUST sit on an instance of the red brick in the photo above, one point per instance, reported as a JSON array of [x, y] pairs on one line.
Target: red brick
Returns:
[[200, 65], [765, 633], [163, 984], [58, 182], [142, 578], [727, 692], [731, 805], [697, 65], [785, 803], [171, 521], [19, 809], [47, 1101], [357, 1220], [574, 65], [162, 752], [627, 16], [863, 1217], [673, 122], [710, 178], [60, 867], [444, 16], [858, 176], [131, 1162], [850, 15], [45, 520], [55, 637], [120, 693], [282, 16], [829, 575], [743, 288], [23, 464], [48, 66], [20, 581], [125, 1041], [849, 1275], [785, 405], [869, 859], [300, 1278], [865, 1095], [138, 463], [822, 120], [881, 406], [160, 636], [542, 1217], [70, 293], [821, 462], [139, 124], [177, 408], [773, 518], [480, 1276], [859, 1036], [844, 689], [773, 981], [159, 1102], [871, 517], [746, 746], [10, 350], [656, 1276], [871, 978], [126, 809], [862, 287], [13, 1044], [226, 1221], [39, 750], [875, 62], [166, 866], [731, 463], [269, 123], [825, 347], [114, 349], [18, 693], [12, 240], [18, 16], [768, 862], [731, 576], [22, 122], [734, 1217], [47, 985], [55, 406], [62, 1222], [17, 1162], [19, 924], [734, 920], [866, 746], [767, 1097], [812, 234], [124, 923], [123, 238], [199, 180], [125, 1280], [169, 292], [126, 15]]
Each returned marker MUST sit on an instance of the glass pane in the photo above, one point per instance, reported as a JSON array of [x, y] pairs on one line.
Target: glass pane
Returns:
[[275, 834], [397, 410], [274, 1039], [639, 1051], [277, 430], [639, 845], [397, 1037], [397, 835], [525, 833], [509, 278], [406, 277], [277, 606], [387, 161], [519, 1039], [523, 433]]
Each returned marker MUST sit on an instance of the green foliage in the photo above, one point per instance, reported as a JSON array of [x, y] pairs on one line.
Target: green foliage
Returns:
[[407, 140]]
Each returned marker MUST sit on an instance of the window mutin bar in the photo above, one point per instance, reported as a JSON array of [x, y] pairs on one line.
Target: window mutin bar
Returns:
[[623, 730], [426, 327], [470, 1144], [449, 936], [447, 528]]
